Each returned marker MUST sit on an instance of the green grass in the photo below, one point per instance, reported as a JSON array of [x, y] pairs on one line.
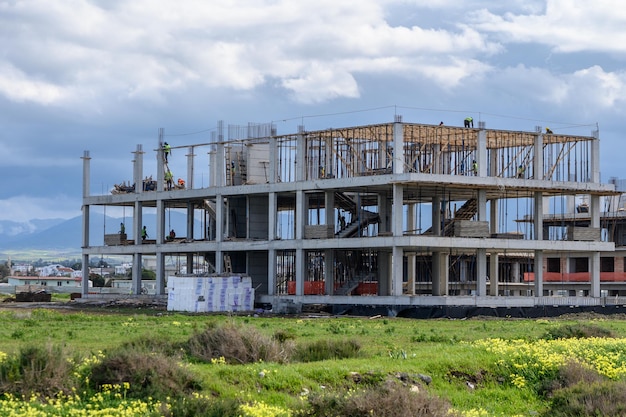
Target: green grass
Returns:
[[440, 349]]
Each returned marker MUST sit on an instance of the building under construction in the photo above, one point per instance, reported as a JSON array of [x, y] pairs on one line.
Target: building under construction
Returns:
[[395, 215]]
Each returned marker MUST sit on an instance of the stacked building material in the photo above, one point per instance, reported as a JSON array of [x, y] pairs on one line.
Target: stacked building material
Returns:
[[210, 294]]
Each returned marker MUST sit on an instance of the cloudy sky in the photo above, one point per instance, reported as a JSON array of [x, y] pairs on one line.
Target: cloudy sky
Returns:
[[105, 75]]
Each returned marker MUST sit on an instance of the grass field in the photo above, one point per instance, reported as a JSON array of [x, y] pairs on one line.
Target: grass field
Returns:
[[481, 367]]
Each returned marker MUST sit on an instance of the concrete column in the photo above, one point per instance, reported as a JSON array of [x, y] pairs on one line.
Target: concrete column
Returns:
[[86, 173], [300, 271], [384, 273], [515, 275], [160, 273], [329, 272], [160, 221], [397, 207], [138, 169], [85, 279], [329, 204], [481, 152], [538, 266], [436, 168], [396, 270], [441, 273], [482, 205], [85, 224], [300, 155], [383, 213], [136, 279], [272, 173], [595, 159], [594, 211], [411, 272], [398, 148], [271, 220], [493, 274], [190, 168], [219, 218], [137, 221], [271, 272], [493, 216], [594, 274], [436, 215], [190, 221], [300, 214], [538, 160], [481, 272], [220, 161], [538, 215]]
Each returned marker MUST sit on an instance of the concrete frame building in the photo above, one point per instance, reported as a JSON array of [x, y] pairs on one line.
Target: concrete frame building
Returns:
[[398, 215]]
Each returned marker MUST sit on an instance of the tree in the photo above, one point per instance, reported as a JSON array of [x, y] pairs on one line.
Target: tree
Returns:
[[97, 280], [5, 271]]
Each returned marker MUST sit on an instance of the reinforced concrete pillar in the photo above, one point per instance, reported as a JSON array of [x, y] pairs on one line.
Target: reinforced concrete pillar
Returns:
[[595, 158], [300, 214], [538, 157], [160, 273], [481, 272], [538, 216], [85, 278], [493, 274], [411, 272], [271, 216], [271, 272], [396, 271], [594, 272], [436, 215], [538, 266], [384, 273], [481, 152], [136, 274], [440, 273], [515, 275], [300, 271], [329, 271], [398, 147], [397, 216], [482, 205], [190, 159]]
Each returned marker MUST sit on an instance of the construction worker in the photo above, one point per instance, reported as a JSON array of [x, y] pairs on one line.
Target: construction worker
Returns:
[[520, 171], [475, 167], [181, 183], [167, 149], [548, 131], [468, 122], [169, 179], [122, 229], [144, 233]]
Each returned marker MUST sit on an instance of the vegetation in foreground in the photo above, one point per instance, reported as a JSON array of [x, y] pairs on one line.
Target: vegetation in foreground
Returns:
[[147, 363]]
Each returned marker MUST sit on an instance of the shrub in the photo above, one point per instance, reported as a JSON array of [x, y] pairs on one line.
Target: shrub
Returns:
[[37, 370], [153, 344], [570, 374], [201, 406], [327, 349], [576, 331], [149, 375], [392, 399], [605, 398], [237, 344]]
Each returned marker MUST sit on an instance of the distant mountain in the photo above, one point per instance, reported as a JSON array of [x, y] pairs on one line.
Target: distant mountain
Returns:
[[66, 235]]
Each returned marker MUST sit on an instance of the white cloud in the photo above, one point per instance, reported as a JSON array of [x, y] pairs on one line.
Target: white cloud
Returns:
[[565, 25]]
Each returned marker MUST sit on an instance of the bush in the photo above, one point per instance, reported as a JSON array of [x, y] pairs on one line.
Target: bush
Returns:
[[605, 398], [149, 375], [576, 331], [237, 345], [37, 370], [392, 399], [153, 344], [327, 349], [570, 374], [201, 406]]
